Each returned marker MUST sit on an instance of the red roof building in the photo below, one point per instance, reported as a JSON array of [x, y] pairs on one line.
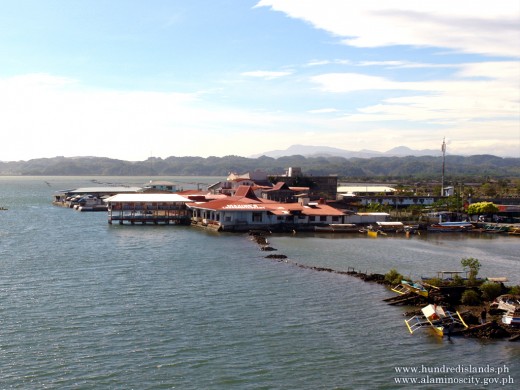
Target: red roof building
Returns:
[[245, 211]]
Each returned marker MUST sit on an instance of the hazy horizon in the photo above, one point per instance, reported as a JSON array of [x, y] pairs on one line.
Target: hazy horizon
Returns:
[[266, 153]]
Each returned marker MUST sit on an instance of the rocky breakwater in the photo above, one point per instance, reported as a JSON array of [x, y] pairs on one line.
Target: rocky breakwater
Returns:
[[489, 328]]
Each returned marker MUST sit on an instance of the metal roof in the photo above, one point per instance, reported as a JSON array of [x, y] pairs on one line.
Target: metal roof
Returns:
[[147, 197], [365, 189], [110, 190]]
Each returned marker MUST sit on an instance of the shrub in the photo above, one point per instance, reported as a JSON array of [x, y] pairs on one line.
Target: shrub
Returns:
[[490, 290], [514, 290], [435, 282], [471, 298], [457, 281], [393, 277]]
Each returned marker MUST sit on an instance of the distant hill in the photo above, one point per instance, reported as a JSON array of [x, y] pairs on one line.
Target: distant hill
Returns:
[[462, 168], [317, 151]]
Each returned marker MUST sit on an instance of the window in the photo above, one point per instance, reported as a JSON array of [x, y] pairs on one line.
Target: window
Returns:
[[312, 219], [323, 218], [257, 217]]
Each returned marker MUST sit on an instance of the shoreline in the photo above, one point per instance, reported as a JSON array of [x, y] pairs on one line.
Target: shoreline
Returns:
[[492, 328]]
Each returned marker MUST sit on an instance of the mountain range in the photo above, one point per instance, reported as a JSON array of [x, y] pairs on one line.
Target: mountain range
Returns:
[[327, 151], [465, 168]]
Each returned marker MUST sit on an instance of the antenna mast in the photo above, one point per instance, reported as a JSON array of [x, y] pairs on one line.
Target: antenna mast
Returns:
[[443, 164]]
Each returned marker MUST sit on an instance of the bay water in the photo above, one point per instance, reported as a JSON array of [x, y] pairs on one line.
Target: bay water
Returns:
[[88, 305]]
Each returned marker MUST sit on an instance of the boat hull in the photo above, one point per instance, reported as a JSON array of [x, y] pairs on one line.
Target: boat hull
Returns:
[[450, 227], [510, 320]]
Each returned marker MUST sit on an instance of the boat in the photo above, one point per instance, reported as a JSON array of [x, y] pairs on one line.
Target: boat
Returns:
[[406, 287], [411, 229], [396, 227], [90, 203], [510, 305], [514, 231], [450, 227], [372, 233], [443, 322], [338, 228], [496, 228]]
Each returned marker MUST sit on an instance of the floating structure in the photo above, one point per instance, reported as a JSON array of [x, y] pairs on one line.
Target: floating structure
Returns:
[[90, 198], [148, 208], [245, 211]]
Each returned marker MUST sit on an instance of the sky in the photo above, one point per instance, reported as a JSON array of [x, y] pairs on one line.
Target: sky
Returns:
[[130, 79]]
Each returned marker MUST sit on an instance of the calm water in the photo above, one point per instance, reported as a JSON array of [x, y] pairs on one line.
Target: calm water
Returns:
[[87, 305]]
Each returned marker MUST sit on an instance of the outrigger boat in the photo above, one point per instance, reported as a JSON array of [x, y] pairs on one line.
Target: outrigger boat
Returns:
[[514, 231], [450, 227], [510, 304], [406, 287], [495, 228], [391, 227], [338, 228], [441, 321]]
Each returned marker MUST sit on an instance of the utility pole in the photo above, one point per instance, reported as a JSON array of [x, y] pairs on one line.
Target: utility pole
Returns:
[[443, 164]]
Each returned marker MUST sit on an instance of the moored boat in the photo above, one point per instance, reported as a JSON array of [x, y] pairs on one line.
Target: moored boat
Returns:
[[443, 322], [396, 227], [372, 233], [450, 227], [514, 231], [338, 228], [406, 286]]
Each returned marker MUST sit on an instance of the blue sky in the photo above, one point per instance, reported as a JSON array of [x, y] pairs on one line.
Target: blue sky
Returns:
[[132, 79]]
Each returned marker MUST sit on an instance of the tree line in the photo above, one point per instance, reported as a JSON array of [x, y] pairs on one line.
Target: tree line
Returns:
[[461, 168]]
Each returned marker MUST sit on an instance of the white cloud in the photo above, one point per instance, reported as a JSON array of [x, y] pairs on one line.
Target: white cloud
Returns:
[[323, 111], [482, 91], [349, 82], [266, 75], [470, 26], [404, 64], [318, 62]]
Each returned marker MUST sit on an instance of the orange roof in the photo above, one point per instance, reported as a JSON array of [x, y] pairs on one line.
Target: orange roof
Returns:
[[191, 192], [277, 208], [283, 208], [321, 209], [230, 203], [245, 191]]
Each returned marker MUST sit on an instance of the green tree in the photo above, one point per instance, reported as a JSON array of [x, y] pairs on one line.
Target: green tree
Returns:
[[473, 266], [375, 207], [488, 189], [482, 208]]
